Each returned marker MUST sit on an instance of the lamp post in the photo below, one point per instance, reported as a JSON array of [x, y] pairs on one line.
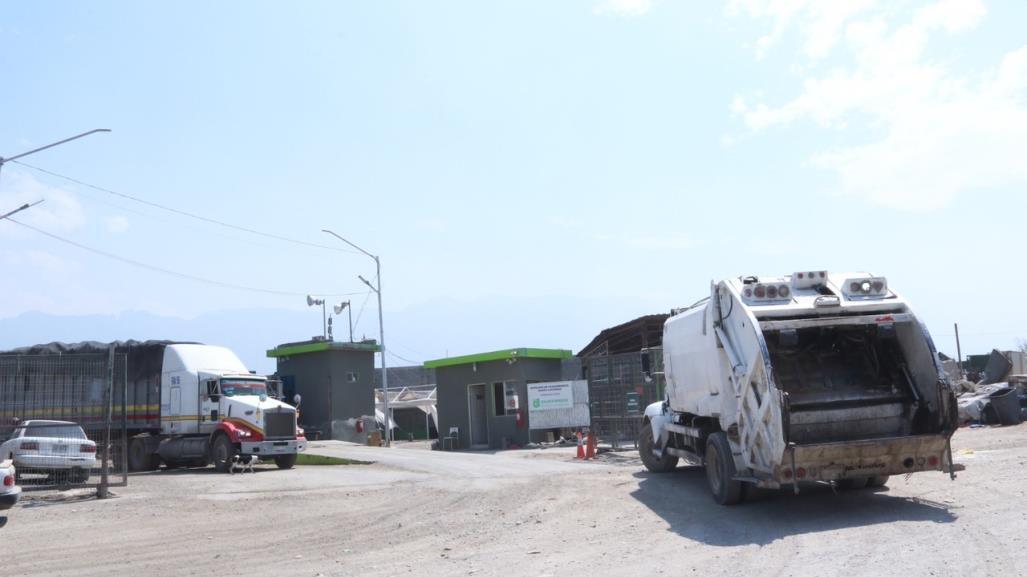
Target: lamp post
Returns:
[[51, 145], [381, 332]]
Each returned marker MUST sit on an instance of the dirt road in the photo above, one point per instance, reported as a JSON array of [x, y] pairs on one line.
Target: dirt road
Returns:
[[417, 512]]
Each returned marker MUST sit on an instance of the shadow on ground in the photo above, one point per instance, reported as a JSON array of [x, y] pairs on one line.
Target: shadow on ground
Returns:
[[683, 500]]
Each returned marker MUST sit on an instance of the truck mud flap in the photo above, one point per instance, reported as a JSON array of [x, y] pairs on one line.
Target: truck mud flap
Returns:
[[869, 458]]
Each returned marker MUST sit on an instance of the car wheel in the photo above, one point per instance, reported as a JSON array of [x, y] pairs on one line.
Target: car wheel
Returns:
[[720, 470], [286, 461], [221, 453], [80, 476]]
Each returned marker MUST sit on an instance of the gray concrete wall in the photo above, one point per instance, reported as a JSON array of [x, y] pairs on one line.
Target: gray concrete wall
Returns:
[[453, 402], [328, 395]]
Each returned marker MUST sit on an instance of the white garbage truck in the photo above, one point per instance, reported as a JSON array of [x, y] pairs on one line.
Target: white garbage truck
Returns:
[[813, 376]]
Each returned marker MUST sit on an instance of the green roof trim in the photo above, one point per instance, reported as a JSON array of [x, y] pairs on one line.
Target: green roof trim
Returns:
[[521, 353], [318, 346]]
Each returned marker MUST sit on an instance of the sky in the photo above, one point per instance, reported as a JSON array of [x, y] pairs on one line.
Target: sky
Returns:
[[611, 157]]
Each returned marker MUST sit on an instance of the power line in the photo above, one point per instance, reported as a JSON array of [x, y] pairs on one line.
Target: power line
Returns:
[[164, 270], [185, 213], [361, 312], [404, 359]]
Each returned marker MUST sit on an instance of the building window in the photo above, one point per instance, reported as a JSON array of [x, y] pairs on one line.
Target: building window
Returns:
[[351, 377], [505, 399]]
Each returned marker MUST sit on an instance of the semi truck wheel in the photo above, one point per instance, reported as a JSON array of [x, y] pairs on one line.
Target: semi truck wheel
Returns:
[[285, 461], [852, 483], [139, 457], [655, 464], [221, 452], [720, 470]]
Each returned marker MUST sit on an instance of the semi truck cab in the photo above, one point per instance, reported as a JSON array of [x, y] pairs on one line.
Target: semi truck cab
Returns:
[[212, 409]]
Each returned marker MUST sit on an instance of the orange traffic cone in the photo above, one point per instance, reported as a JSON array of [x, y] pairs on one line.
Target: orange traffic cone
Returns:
[[581, 448], [590, 453]]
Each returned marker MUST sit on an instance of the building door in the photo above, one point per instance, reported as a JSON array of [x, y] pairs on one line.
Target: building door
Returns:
[[479, 415]]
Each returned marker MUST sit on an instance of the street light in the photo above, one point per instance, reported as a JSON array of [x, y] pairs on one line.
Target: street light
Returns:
[[313, 302], [381, 332], [51, 145], [20, 208]]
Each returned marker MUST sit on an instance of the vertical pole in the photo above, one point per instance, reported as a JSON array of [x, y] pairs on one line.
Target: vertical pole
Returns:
[[349, 311], [324, 320], [101, 492], [959, 353], [427, 429], [385, 372], [124, 421]]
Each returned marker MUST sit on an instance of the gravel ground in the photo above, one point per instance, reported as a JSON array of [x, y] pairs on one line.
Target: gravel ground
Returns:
[[536, 512]]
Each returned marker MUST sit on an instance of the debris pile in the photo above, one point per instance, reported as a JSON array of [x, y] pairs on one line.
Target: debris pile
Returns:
[[1000, 398]]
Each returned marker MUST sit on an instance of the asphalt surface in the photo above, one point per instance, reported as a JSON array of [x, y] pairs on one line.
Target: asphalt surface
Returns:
[[532, 512]]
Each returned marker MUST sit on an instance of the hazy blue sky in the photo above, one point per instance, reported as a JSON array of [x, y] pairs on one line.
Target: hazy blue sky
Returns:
[[621, 152]]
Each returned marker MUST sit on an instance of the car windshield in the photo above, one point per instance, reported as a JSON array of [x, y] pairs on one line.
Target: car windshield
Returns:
[[51, 430], [243, 387]]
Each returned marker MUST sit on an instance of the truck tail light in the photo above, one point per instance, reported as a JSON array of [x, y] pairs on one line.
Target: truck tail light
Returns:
[[800, 473], [787, 473], [29, 446], [8, 481], [760, 291], [87, 448], [869, 287], [808, 279], [933, 461], [783, 291]]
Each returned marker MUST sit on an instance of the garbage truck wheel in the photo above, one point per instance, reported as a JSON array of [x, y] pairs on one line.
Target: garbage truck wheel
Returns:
[[720, 471], [878, 481], [655, 464], [852, 483]]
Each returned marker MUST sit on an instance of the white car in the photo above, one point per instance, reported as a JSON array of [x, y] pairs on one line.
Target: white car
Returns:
[[58, 449], [9, 490]]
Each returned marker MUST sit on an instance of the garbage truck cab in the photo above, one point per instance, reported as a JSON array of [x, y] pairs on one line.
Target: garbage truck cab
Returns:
[[813, 376]]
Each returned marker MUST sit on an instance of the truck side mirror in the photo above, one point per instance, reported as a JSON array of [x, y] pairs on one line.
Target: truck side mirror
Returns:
[[296, 400], [647, 365]]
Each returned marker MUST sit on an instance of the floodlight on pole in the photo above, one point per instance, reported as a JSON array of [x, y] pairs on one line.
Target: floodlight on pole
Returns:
[[338, 311], [313, 302], [381, 331]]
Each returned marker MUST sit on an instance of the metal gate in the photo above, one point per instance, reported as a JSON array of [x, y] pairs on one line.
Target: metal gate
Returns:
[[63, 419]]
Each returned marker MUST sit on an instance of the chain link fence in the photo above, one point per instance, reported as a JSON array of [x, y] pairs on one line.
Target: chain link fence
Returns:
[[63, 419], [619, 390]]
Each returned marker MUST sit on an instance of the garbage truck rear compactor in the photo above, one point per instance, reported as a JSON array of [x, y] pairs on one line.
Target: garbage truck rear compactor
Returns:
[[815, 376]]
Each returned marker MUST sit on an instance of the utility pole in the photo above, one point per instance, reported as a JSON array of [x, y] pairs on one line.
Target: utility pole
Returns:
[[959, 354], [381, 332]]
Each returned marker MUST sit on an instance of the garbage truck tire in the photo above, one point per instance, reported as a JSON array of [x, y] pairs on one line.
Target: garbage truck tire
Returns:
[[663, 464], [720, 470], [878, 481]]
